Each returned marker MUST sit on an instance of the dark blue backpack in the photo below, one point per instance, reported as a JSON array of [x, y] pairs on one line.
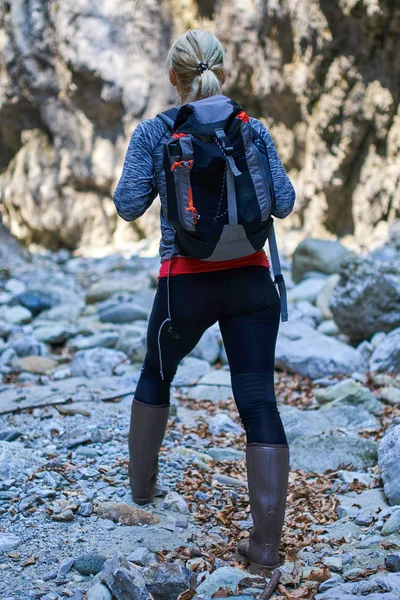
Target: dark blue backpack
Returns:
[[219, 184]]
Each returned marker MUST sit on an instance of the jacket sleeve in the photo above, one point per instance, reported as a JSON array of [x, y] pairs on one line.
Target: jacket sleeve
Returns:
[[283, 189], [136, 188]]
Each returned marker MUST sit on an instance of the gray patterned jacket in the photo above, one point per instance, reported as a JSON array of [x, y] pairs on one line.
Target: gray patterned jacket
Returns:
[[143, 178]]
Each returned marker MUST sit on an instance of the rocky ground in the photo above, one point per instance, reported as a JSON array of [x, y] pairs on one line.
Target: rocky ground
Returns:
[[72, 338]]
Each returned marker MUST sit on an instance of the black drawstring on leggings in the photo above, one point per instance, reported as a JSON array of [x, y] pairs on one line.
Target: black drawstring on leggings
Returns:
[[170, 329]]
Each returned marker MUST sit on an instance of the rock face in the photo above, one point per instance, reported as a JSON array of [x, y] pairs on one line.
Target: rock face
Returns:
[[322, 74], [367, 297]]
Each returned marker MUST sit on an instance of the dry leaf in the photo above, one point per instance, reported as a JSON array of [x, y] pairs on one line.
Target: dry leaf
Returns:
[[29, 561], [319, 574]]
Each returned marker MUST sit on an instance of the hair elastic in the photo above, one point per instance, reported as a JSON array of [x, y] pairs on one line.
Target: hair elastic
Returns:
[[202, 67]]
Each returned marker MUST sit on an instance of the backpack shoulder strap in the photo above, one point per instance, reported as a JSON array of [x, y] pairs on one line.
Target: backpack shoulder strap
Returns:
[[169, 116], [276, 267]]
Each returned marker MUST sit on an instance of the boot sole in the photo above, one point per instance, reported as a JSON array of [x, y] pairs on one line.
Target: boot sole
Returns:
[[255, 568], [142, 501]]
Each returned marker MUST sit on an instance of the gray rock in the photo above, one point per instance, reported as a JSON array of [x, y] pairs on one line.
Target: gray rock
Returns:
[[9, 435], [100, 340], [190, 371], [378, 587], [365, 349], [222, 422], [327, 451], [89, 564], [65, 566], [35, 302], [85, 509], [208, 347], [351, 393], [314, 254], [363, 518], [328, 328], [168, 580], [98, 591], [123, 313], [328, 418], [392, 563], [17, 462], [306, 291], [225, 454], [18, 315], [27, 345], [223, 577], [104, 289], [215, 393], [389, 463], [142, 556], [392, 525], [301, 349], [133, 342], [8, 542], [369, 501], [367, 298], [125, 581], [330, 583], [350, 476], [174, 501], [391, 395], [97, 362], [310, 311], [63, 312], [386, 356], [54, 333], [334, 563]]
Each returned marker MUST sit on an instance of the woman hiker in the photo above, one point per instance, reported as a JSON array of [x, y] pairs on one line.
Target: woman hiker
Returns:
[[192, 294]]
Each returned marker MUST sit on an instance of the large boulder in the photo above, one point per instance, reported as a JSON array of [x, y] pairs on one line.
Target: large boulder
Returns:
[[313, 254], [301, 349], [389, 463], [329, 450], [324, 420], [367, 297]]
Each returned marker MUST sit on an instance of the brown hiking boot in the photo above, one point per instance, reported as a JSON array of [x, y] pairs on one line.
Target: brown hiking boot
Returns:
[[146, 434], [267, 476]]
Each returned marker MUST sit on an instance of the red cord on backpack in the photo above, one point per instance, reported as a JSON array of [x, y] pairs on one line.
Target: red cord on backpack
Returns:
[[182, 163], [192, 207]]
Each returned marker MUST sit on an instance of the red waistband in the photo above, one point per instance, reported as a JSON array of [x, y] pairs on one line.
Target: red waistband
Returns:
[[181, 265]]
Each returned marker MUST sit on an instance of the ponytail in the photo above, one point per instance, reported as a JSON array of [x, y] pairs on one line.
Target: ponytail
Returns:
[[194, 47]]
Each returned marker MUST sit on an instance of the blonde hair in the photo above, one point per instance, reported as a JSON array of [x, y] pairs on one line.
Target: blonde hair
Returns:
[[184, 56]]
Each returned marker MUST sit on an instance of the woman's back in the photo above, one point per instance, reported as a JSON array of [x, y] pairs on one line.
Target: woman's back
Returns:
[[143, 178]]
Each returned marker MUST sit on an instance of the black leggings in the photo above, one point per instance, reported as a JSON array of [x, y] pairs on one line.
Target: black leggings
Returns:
[[246, 304]]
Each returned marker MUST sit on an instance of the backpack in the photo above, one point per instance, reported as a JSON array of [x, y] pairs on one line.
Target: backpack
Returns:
[[220, 194]]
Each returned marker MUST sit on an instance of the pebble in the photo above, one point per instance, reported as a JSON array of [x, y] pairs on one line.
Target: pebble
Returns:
[[334, 563]]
